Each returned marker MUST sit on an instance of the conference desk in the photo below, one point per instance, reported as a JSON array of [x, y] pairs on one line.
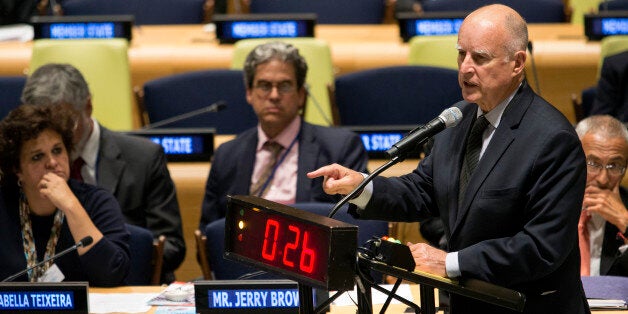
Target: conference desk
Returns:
[[334, 309], [565, 61]]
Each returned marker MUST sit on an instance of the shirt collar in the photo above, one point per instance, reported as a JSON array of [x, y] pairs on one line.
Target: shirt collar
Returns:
[[495, 116], [284, 138], [90, 150]]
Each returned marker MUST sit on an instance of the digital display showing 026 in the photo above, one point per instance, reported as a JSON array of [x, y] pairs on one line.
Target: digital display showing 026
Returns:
[[306, 247]]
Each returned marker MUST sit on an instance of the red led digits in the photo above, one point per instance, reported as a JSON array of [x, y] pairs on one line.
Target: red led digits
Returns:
[[291, 249]]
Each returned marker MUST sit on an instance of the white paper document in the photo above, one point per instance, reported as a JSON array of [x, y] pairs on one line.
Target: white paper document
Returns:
[[120, 302]]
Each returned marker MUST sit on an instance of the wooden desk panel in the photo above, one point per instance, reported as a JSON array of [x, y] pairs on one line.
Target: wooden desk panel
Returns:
[[565, 61]]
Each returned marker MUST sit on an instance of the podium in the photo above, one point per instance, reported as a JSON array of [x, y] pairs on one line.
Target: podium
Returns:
[[468, 287]]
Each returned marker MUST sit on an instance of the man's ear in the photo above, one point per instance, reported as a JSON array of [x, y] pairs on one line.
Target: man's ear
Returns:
[[520, 62]]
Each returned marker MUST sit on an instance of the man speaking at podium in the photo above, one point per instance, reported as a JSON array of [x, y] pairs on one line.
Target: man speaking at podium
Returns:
[[509, 192]]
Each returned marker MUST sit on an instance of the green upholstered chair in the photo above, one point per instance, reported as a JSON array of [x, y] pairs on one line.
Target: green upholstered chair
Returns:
[[436, 51], [105, 66], [609, 46], [320, 73]]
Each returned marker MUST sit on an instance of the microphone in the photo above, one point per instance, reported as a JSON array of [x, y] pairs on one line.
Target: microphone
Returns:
[[83, 242], [215, 107], [534, 73], [448, 118]]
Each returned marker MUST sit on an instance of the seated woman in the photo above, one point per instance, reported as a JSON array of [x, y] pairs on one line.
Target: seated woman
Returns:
[[43, 211]]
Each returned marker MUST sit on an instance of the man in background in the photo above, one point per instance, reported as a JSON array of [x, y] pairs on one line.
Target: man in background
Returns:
[[272, 159], [611, 95], [603, 223], [133, 169]]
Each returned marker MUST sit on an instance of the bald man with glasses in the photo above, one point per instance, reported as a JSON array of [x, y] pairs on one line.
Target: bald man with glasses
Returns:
[[603, 226]]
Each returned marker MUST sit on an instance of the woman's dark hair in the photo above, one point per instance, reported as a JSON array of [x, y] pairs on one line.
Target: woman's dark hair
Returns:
[[25, 123]]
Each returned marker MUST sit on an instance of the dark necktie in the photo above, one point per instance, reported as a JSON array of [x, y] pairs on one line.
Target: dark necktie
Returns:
[[472, 154], [261, 186], [75, 170]]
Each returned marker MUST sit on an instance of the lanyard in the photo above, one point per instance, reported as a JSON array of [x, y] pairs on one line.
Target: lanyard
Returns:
[[281, 159]]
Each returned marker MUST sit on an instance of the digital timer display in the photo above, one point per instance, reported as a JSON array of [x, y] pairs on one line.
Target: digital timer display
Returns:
[[303, 246]]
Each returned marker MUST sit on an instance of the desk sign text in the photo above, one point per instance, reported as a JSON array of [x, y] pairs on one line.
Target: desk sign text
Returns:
[[70, 297], [247, 296], [233, 27]]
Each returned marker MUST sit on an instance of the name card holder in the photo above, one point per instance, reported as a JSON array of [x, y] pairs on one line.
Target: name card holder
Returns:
[[378, 139], [246, 296], [182, 144], [429, 24], [607, 23], [233, 27], [83, 27], [45, 297]]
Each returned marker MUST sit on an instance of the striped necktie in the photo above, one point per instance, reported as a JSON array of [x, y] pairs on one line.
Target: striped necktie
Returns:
[[260, 187], [472, 154]]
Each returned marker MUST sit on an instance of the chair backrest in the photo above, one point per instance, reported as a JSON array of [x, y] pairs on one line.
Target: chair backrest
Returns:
[[178, 94], [10, 91], [201, 250], [104, 64], [609, 46], [320, 72], [401, 95], [437, 51], [144, 11], [533, 11], [613, 5], [328, 11], [141, 249]]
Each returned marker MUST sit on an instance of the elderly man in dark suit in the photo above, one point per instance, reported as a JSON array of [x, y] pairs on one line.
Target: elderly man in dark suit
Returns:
[[133, 169], [274, 75], [512, 219], [611, 95], [603, 227]]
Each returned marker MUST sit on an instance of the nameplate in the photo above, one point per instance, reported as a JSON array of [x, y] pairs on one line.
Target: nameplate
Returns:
[[378, 139], [184, 144], [607, 23], [60, 297], [233, 27], [429, 24], [247, 296], [83, 27]]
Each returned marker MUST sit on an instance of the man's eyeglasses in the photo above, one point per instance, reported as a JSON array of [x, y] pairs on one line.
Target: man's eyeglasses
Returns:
[[264, 87], [614, 168]]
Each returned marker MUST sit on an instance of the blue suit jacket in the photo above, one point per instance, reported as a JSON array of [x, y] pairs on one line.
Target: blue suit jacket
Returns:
[[232, 166], [611, 95], [517, 225]]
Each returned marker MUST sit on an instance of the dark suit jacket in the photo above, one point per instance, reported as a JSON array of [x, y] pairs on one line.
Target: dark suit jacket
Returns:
[[517, 225], [134, 170], [611, 96], [233, 163], [612, 263]]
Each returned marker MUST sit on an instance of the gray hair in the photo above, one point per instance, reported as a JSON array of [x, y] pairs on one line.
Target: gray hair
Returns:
[[274, 51], [56, 84], [518, 30], [603, 125]]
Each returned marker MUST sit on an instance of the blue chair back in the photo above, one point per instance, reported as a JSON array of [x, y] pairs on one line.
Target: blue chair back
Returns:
[[141, 248], [401, 95], [145, 11], [182, 93], [613, 5], [10, 91], [533, 11], [327, 11], [588, 96]]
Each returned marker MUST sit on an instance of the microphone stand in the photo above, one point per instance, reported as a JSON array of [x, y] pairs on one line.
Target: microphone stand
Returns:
[[64, 252], [215, 107]]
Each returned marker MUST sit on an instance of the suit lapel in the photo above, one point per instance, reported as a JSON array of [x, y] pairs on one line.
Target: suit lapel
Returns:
[[110, 162], [456, 147], [501, 140], [308, 153], [245, 163]]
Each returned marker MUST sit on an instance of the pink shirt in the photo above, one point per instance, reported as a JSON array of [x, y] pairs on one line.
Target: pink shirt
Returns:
[[283, 187]]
